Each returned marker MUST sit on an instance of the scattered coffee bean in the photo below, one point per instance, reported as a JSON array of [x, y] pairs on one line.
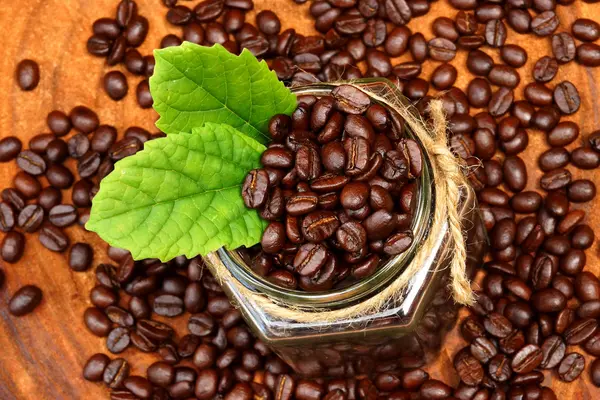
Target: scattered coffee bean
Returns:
[[115, 85], [25, 300], [28, 74]]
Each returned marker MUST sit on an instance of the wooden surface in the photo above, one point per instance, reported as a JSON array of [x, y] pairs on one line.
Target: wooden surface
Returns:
[[41, 355]]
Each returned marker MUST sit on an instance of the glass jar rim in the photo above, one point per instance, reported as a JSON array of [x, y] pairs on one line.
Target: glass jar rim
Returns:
[[356, 291]]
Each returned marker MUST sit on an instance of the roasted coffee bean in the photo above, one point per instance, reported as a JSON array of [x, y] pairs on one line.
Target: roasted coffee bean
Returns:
[[483, 349], [57, 151], [479, 92], [513, 55], [115, 373], [563, 47], [500, 102], [563, 134], [80, 257], [554, 158], [39, 143], [82, 192], [357, 155], [581, 191], [115, 85], [580, 331], [53, 239], [545, 23], [7, 217], [319, 225], [499, 368], [527, 359], [587, 286], [582, 237], [469, 369], [273, 237], [161, 374], [495, 33], [354, 195], [201, 324], [351, 236], [585, 158], [59, 176], [566, 97], [441, 49], [103, 297], [58, 122], [118, 340], [350, 99], [595, 372], [10, 147], [359, 127], [117, 51], [135, 63], [143, 95], [555, 179], [103, 139], [78, 145], [466, 24], [208, 10], [444, 76], [154, 330], [25, 300], [548, 300], [99, 45], [95, 366], [97, 322], [138, 386], [62, 215], [308, 163], [126, 10], [31, 163], [168, 305], [27, 74], [397, 243], [538, 94], [83, 119], [553, 351], [310, 259], [571, 367], [526, 202], [524, 112], [497, 325], [515, 173], [445, 27], [545, 69], [503, 75], [31, 218], [503, 234], [585, 30]]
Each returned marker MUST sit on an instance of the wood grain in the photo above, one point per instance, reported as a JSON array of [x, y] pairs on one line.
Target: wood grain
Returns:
[[41, 355]]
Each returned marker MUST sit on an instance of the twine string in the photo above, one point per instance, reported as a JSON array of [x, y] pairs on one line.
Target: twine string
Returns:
[[450, 184]]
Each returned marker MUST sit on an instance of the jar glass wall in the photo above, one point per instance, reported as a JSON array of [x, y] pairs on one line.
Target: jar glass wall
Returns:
[[405, 333]]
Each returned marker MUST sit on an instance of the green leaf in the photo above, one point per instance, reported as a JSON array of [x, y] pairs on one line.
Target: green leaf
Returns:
[[181, 195], [193, 84]]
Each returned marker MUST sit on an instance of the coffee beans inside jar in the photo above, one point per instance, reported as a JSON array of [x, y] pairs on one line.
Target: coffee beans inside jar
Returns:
[[339, 185]]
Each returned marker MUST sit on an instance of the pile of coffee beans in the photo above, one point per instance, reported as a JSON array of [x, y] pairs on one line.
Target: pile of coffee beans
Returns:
[[339, 187], [538, 307], [35, 203]]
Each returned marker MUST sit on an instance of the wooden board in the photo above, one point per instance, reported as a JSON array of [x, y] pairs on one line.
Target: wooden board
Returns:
[[41, 355]]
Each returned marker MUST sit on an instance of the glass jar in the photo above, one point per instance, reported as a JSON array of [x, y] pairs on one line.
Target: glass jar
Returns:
[[405, 334]]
